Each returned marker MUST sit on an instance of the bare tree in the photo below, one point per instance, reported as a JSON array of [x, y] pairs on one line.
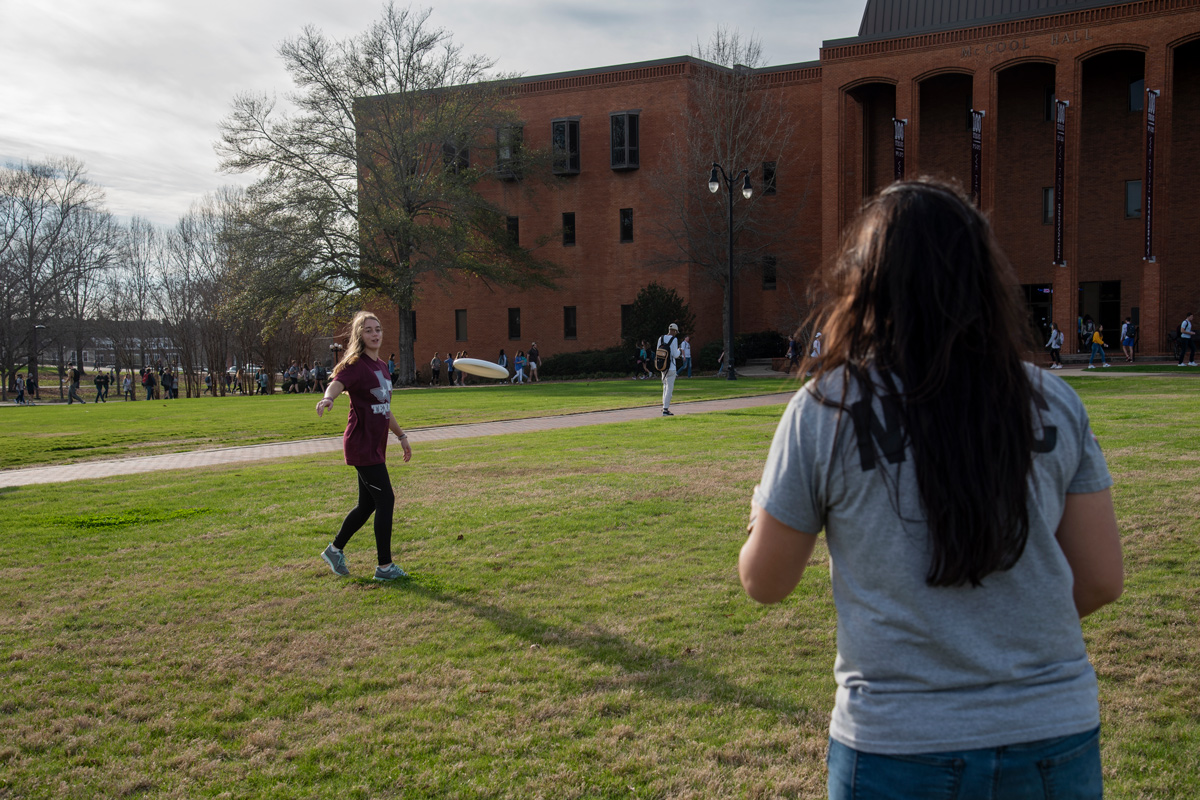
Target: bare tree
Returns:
[[370, 182], [738, 119], [43, 200], [89, 249]]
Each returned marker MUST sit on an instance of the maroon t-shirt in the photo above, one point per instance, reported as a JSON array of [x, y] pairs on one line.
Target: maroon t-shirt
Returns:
[[370, 388]]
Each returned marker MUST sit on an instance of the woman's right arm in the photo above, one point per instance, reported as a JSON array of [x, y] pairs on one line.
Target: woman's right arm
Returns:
[[331, 392], [1090, 541]]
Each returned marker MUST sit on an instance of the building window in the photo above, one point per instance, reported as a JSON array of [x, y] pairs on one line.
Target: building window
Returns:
[[1048, 105], [508, 151], [460, 325], [1133, 199], [769, 266], [514, 230], [626, 315], [1137, 96], [624, 140], [626, 224], [514, 323], [568, 226], [1048, 205], [455, 158], [564, 141], [569, 320], [768, 177]]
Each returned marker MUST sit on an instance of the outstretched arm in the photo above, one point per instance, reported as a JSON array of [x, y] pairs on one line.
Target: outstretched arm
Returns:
[[331, 392]]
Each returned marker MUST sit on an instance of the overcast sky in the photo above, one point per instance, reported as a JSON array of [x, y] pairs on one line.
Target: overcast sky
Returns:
[[135, 88]]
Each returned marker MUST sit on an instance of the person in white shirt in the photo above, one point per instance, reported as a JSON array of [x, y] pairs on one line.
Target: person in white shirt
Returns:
[[685, 351], [670, 341], [1186, 342]]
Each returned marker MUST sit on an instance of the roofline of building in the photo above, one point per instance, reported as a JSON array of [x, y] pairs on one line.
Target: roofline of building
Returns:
[[659, 62], [967, 24]]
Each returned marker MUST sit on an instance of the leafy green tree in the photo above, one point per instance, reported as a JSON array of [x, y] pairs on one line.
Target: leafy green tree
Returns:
[[371, 180], [654, 308]]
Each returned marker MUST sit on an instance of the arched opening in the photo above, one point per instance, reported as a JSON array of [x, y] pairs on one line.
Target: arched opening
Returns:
[[867, 134], [1111, 169], [945, 127], [1024, 181]]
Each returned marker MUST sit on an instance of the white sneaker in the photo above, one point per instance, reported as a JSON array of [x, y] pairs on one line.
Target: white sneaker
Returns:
[[1091, 366], [1191, 363], [1106, 364]]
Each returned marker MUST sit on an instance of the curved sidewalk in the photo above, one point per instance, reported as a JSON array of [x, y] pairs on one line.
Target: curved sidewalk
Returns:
[[89, 470]]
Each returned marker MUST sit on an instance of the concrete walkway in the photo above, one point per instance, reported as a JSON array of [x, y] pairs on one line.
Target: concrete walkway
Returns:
[[236, 455]]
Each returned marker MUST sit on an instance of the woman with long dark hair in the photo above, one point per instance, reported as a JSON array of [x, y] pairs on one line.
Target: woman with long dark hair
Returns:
[[967, 511], [366, 378]]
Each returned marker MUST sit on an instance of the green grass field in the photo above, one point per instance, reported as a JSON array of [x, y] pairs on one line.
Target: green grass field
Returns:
[[55, 434], [574, 627]]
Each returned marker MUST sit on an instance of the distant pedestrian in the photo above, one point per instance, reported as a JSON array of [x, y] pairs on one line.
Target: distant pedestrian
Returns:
[[1098, 348], [74, 374], [533, 360], [435, 370], [1128, 332], [685, 350], [502, 360], [518, 375], [450, 377], [1055, 344], [98, 382], [20, 389], [665, 359], [127, 387], [1186, 341]]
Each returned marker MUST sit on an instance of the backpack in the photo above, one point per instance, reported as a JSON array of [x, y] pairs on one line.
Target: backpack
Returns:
[[662, 356]]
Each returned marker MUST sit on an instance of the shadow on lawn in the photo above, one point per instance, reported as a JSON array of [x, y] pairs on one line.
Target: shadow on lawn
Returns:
[[672, 676]]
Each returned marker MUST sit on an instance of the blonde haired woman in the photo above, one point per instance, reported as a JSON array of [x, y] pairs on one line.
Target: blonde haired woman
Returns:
[[366, 380]]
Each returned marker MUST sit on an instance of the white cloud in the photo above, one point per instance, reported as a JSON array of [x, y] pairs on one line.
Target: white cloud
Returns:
[[136, 88]]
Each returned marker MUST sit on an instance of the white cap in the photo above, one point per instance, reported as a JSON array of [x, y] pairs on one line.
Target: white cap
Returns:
[[672, 327]]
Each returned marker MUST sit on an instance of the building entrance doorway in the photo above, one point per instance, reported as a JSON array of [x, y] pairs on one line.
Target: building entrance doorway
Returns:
[[1038, 299], [1101, 300]]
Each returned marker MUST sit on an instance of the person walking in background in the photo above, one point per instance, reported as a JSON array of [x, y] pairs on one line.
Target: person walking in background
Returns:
[[98, 382], [533, 360], [685, 352], [392, 368], [1127, 334], [502, 360], [435, 370], [1055, 344], [367, 381], [74, 374], [1089, 329], [20, 389], [1098, 348], [31, 386], [518, 375], [127, 387], [966, 539], [450, 368], [1186, 342], [666, 355]]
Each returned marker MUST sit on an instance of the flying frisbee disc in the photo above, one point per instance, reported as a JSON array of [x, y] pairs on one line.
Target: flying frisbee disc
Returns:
[[484, 369]]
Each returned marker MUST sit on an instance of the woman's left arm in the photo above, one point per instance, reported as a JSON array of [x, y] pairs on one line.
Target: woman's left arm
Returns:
[[401, 435], [773, 558]]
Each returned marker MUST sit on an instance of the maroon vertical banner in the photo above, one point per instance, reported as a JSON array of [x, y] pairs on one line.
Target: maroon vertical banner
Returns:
[[898, 146], [976, 152], [1148, 184], [1060, 158]]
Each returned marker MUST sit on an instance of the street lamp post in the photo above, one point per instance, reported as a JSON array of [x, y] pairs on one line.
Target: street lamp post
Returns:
[[714, 184], [37, 393]]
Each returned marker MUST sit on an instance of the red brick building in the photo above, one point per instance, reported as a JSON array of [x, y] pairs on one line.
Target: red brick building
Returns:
[[928, 63]]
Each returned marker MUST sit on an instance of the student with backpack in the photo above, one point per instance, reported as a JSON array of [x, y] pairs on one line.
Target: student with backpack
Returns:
[[1128, 332], [665, 356], [1186, 342]]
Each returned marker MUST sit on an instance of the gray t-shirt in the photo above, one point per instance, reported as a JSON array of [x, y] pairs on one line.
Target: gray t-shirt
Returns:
[[924, 669]]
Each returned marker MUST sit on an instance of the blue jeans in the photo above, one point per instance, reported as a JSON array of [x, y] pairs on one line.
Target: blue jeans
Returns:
[[1097, 350], [1067, 768]]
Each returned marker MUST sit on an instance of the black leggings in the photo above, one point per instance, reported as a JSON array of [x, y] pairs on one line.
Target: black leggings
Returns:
[[374, 496]]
